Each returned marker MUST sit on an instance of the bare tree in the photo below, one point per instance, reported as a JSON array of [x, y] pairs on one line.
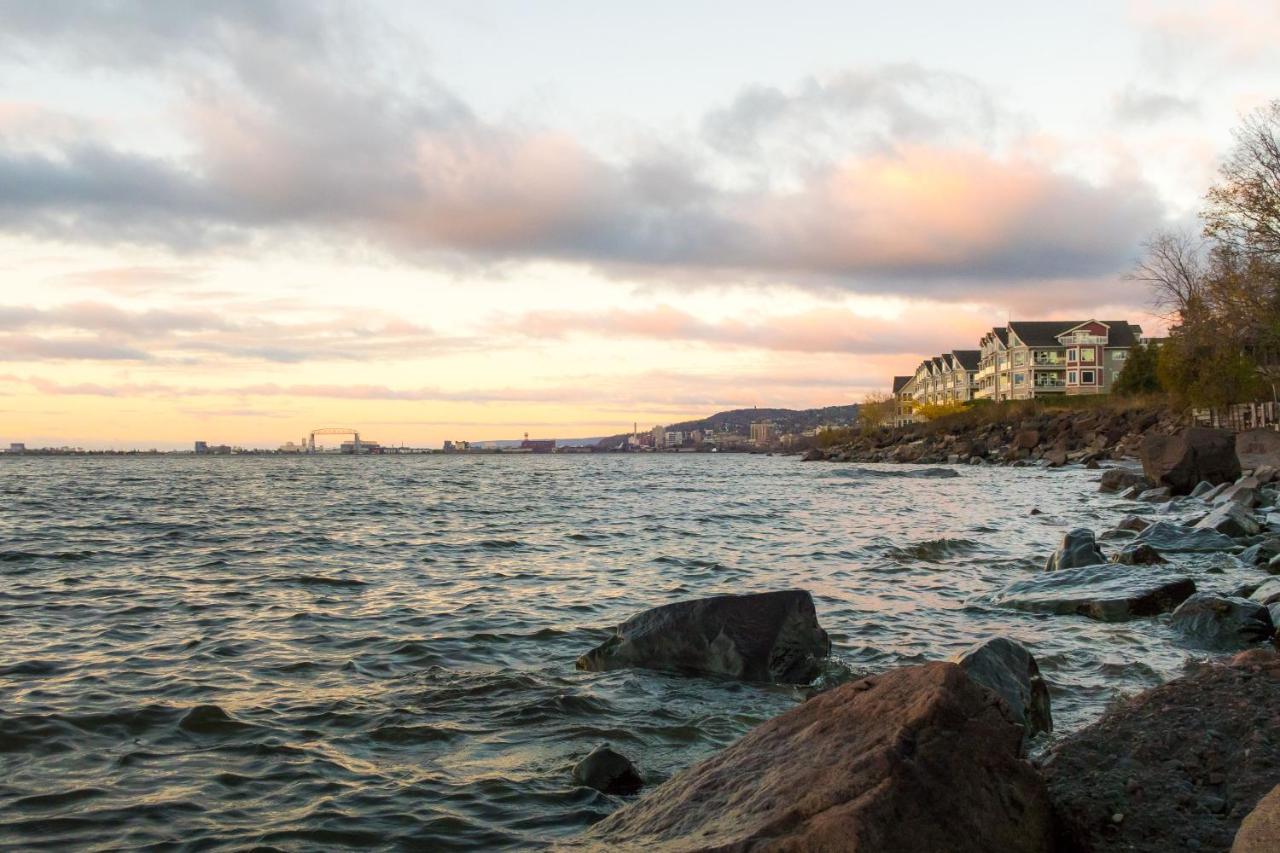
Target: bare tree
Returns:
[[1243, 208], [1174, 269]]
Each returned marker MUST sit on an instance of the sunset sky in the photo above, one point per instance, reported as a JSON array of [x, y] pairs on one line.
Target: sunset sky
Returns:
[[238, 221]]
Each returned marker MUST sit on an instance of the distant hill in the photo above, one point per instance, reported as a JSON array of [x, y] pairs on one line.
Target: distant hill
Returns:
[[786, 420], [739, 420]]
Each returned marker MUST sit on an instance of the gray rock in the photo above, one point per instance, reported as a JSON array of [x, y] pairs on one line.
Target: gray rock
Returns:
[[1212, 495], [1202, 488], [1230, 519], [1078, 548], [1243, 491], [1267, 592], [1114, 534], [1264, 473], [1180, 461], [1218, 622], [1108, 593], [1261, 553], [607, 771], [770, 636], [1157, 495], [1006, 668], [1273, 566], [1174, 538], [1138, 554]]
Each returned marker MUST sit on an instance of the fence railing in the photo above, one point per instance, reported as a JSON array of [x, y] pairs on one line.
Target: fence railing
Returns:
[[1240, 417]]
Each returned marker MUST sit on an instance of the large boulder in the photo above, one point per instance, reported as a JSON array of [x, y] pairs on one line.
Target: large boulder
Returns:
[[1078, 548], [1119, 479], [1221, 622], [1180, 461], [1108, 593], [1260, 830], [1174, 538], [1230, 519], [1258, 448], [915, 759], [769, 636], [1183, 762], [607, 771], [1008, 670]]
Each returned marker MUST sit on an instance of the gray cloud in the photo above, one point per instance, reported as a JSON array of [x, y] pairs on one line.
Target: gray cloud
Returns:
[[297, 126], [1141, 106]]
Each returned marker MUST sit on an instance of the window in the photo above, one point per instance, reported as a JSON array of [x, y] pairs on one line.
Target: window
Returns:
[[1071, 354], [1071, 377], [1019, 378], [1120, 355], [1087, 355], [1086, 377]]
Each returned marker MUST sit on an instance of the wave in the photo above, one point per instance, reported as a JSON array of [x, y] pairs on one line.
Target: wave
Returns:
[[933, 550], [907, 473]]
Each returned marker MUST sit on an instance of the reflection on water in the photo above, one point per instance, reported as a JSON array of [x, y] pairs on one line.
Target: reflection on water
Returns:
[[324, 652]]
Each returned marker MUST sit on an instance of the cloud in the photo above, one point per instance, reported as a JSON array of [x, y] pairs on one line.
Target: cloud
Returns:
[[897, 178], [92, 331], [817, 331], [1141, 106]]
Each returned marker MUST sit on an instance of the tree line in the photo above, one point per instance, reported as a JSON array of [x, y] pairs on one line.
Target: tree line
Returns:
[[1219, 289]]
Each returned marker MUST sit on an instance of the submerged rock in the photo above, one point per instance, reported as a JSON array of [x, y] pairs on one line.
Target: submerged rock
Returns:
[[1183, 761], [1180, 461], [1174, 538], [769, 636], [1108, 593], [607, 771], [1078, 548], [1217, 622], [915, 759], [1006, 668], [1119, 479]]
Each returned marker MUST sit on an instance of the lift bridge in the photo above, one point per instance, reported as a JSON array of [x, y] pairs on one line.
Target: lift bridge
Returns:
[[355, 447]]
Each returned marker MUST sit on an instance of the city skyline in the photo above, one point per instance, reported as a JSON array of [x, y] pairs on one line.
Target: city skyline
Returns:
[[239, 222]]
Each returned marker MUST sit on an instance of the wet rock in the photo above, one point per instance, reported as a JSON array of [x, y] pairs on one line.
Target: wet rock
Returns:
[[1267, 592], [1138, 554], [1202, 488], [1174, 538], [770, 636], [1119, 479], [1217, 622], [1010, 671], [1158, 495], [1243, 491], [1108, 593], [607, 771], [1260, 830], [1078, 548], [1258, 448], [1157, 759], [1261, 553], [1180, 461], [914, 759], [1136, 523], [1230, 519], [814, 455]]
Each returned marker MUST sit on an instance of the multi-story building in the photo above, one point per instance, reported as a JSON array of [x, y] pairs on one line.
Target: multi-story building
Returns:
[[763, 433], [1021, 361]]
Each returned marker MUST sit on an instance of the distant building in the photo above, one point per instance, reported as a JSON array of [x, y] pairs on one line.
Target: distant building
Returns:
[[202, 447], [673, 439], [17, 447], [538, 445], [658, 434], [763, 433], [290, 447], [364, 447]]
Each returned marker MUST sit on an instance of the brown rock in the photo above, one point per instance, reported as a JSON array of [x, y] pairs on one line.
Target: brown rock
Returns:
[[1260, 831], [916, 759], [1180, 461], [1202, 750], [1258, 448], [1026, 439]]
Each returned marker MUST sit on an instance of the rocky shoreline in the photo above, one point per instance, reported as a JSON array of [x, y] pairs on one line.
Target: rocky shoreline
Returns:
[[935, 756]]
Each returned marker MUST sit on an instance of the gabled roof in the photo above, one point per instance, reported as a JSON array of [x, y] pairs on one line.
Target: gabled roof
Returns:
[[900, 382], [1002, 334], [967, 358], [1041, 333]]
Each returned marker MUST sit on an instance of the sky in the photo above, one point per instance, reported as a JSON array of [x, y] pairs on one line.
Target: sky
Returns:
[[240, 221]]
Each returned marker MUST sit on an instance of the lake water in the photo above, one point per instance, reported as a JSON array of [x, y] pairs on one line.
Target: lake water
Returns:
[[325, 652]]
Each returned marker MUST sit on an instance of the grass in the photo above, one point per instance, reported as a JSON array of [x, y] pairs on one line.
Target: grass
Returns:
[[985, 414]]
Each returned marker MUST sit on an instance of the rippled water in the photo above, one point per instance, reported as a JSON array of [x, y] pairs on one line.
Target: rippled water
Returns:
[[379, 652]]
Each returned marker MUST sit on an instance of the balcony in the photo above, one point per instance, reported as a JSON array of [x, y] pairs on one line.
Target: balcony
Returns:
[[1049, 359]]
